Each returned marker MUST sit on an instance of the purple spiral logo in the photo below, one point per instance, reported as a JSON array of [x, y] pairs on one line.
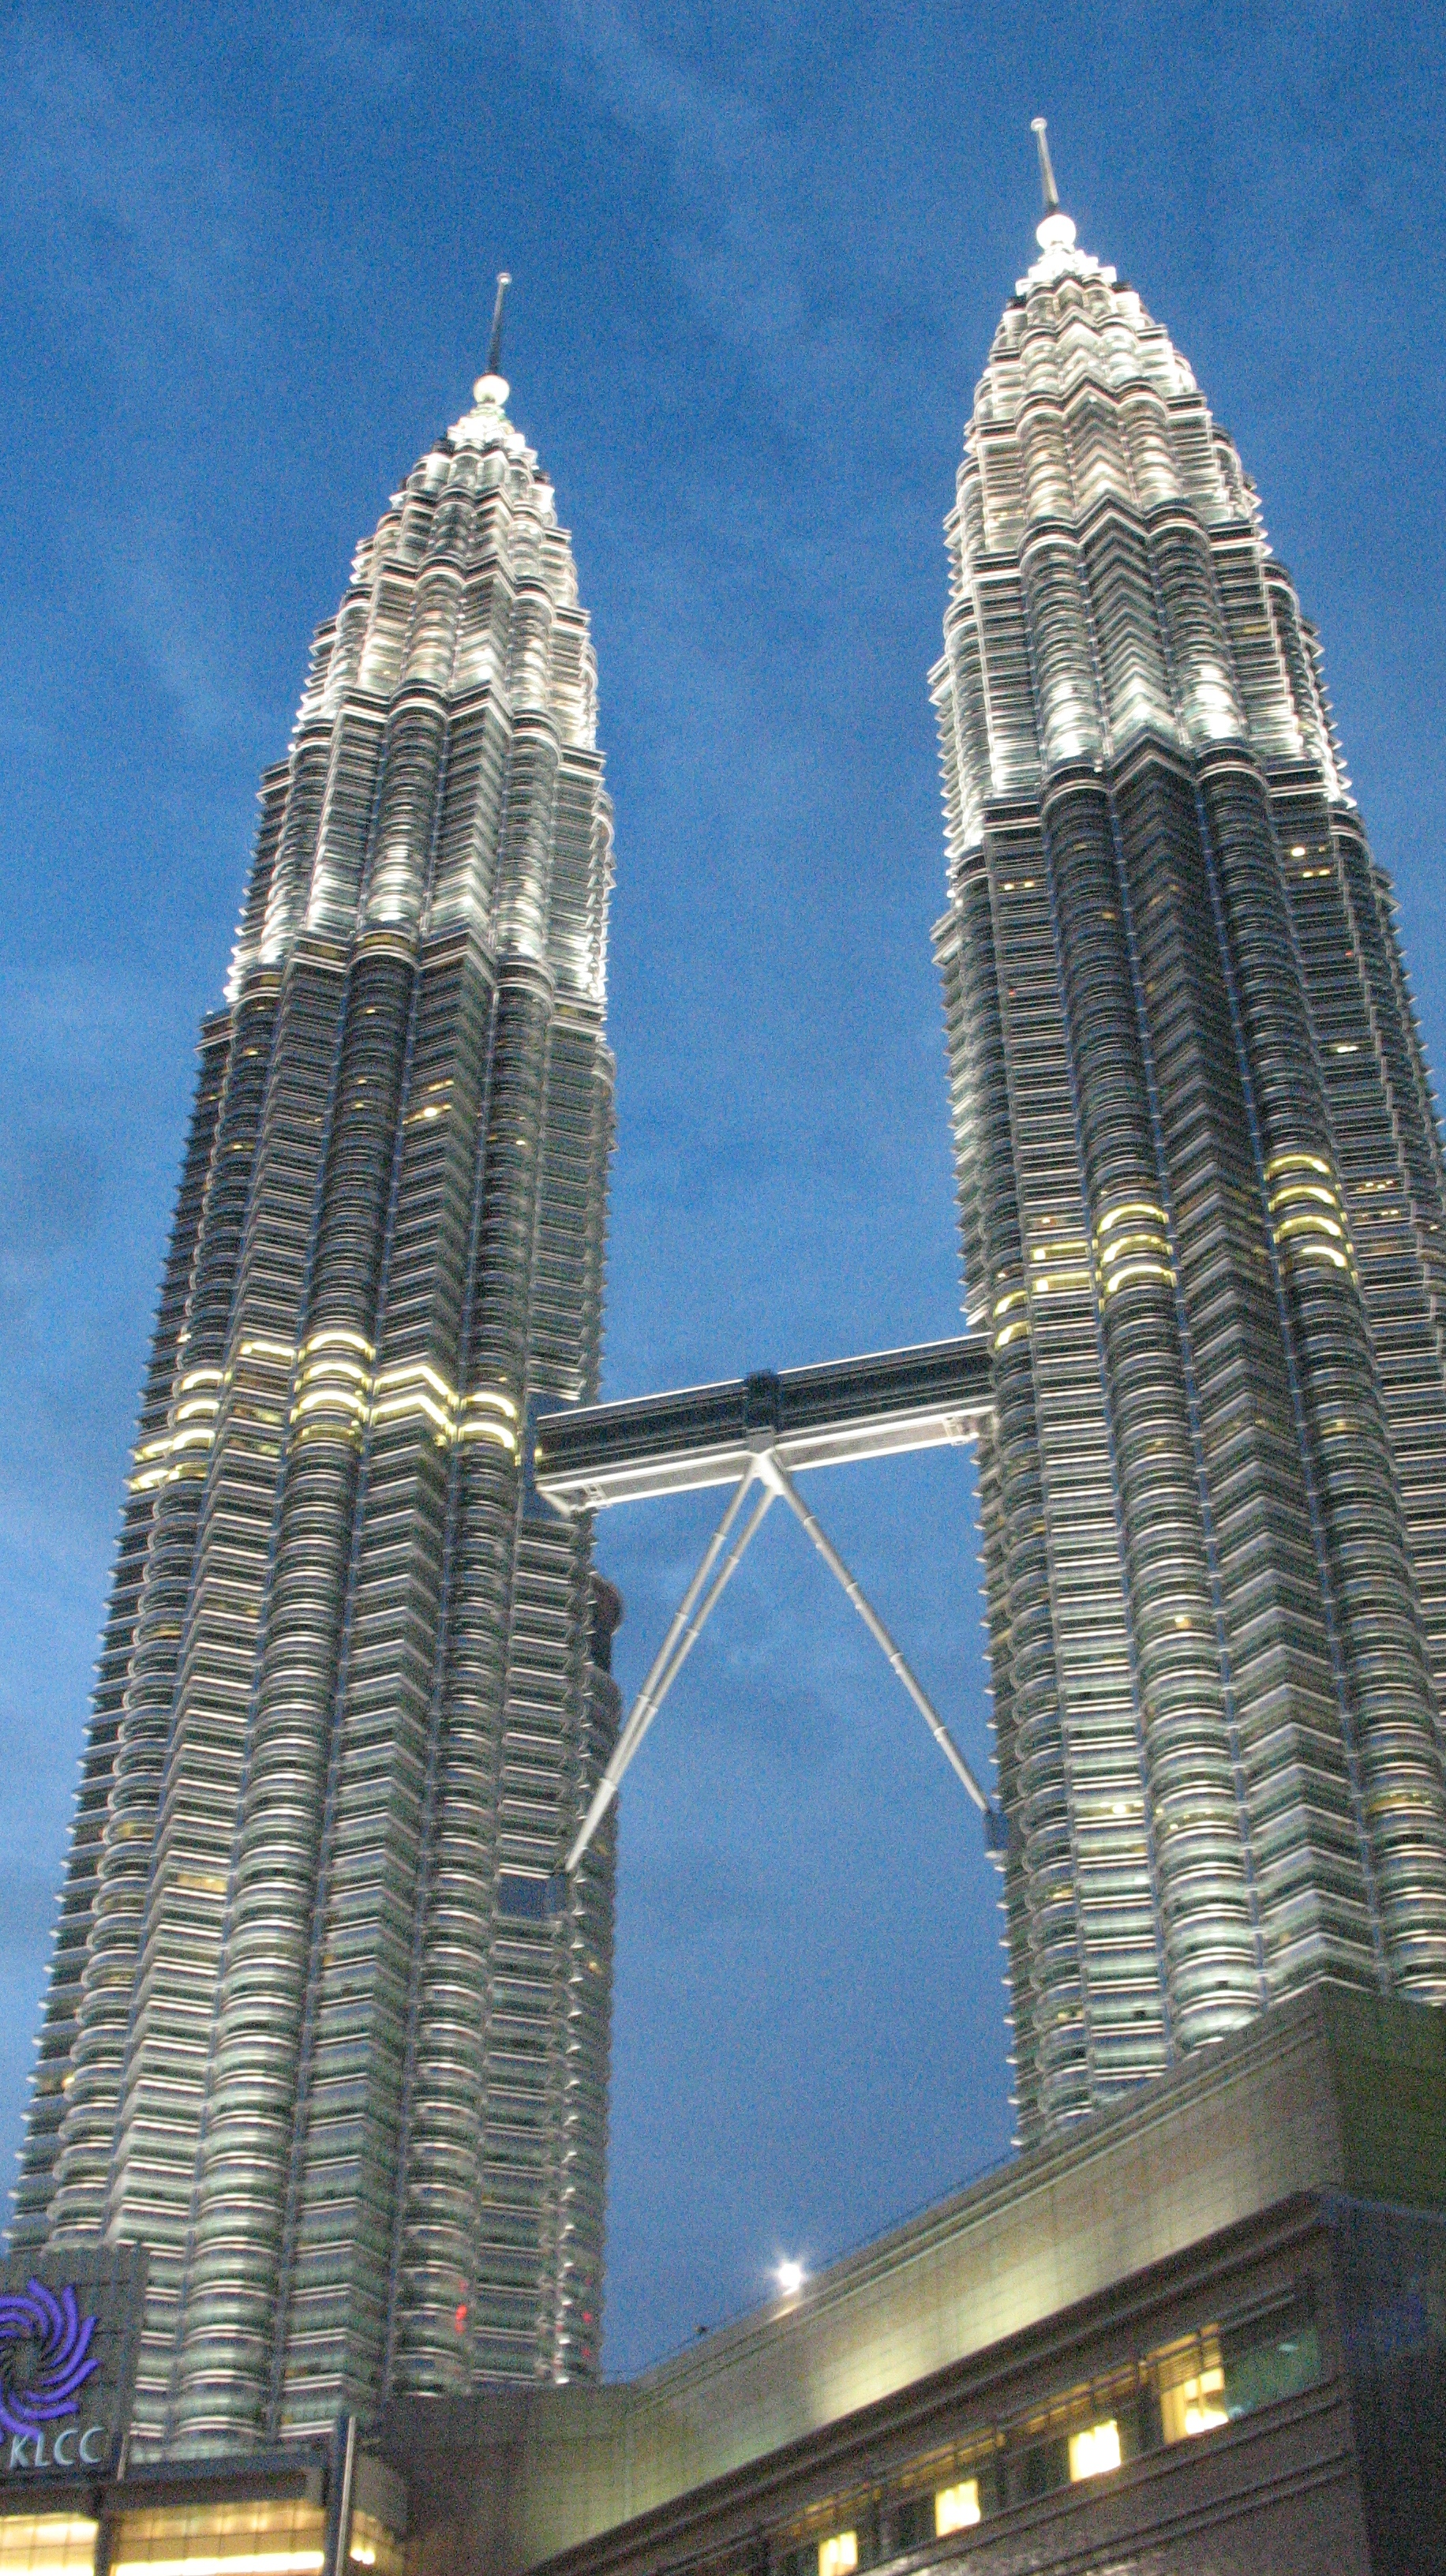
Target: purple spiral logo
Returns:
[[45, 2357]]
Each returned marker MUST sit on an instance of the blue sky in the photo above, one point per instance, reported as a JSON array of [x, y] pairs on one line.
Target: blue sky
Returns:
[[245, 278]]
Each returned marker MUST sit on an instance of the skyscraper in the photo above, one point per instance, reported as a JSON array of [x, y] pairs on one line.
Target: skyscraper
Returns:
[[308, 2037], [1204, 1226]]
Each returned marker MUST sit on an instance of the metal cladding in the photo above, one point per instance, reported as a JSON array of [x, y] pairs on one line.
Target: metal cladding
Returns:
[[1201, 1193], [354, 1671]]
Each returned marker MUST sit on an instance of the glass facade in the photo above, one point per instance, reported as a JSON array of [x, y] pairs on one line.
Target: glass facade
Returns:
[[302, 2039], [252, 2536], [1203, 1209], [47, 2544]]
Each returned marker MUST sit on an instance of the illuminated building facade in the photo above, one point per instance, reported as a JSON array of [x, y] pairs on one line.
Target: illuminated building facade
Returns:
[[308, 2037], [1204, 1226]]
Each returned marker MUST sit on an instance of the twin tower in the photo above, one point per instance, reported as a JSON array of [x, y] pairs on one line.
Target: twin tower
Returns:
[[355, 1671]]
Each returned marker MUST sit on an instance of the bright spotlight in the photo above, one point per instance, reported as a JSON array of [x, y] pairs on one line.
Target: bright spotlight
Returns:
[[790, 2279]]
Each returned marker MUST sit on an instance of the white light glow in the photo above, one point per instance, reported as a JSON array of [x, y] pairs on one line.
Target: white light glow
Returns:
[[956, 2508], [790, 2277], [1094, 2451]]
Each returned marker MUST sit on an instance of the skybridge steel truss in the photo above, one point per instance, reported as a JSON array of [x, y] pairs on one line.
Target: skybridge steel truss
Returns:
[[753, 1433]]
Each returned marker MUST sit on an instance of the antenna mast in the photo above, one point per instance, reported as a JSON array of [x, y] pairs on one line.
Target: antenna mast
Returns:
[[494, 350]]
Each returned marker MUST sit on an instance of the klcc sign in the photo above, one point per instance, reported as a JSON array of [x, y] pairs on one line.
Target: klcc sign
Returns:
[[45, 2361], [68, 2331]]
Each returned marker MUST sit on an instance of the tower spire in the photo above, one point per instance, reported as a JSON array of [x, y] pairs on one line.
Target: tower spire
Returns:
[[492, 389], [1055, 234], [494, 346], [1040, 130]]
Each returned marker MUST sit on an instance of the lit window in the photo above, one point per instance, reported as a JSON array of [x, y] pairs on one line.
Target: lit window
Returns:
[[252, 2538], [839, 2556], [1094, 2450], [46, 2544], [374, 2547], [1194, 2405], [955, 2508]]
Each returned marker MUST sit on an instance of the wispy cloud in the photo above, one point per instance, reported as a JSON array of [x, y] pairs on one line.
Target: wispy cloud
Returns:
[[117, 205], [166, 606], [337, 38], [49, 1198], [131, 224], [784, 269]]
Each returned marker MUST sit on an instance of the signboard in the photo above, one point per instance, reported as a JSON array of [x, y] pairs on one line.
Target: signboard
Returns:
[[69, 2330]]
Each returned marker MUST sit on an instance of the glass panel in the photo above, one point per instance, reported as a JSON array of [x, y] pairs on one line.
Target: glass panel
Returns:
[[247, 2539], [839, 2556], [1225, 2373], [1042, 2468], [1270, 2366], [1195, 2404], [46, 2544]]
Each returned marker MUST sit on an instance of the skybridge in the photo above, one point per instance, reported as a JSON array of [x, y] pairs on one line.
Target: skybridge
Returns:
[[756, 1434]]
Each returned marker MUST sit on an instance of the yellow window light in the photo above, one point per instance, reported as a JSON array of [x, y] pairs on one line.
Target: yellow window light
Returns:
[[1138, 1270], [1194, 2405], [46, 2544], [241, 2562], [495, 1433], [494, 1397], [202, 1407], [839, 2556], [1130, 1208], [1094, 2450], [338, 1337], [956, 2508]]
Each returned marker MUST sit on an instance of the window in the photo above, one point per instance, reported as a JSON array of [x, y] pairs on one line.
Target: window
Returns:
[[955, 2508], [1179, 2391], [372, 2546], [255, 2538], [1195, 2402], [1229, 2371], [46, 2544], [1094, 2449], [1269, 2360]]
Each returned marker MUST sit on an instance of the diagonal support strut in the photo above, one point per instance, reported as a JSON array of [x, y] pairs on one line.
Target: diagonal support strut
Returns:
[[688, 1622], [768, 1479], [775, 1471]]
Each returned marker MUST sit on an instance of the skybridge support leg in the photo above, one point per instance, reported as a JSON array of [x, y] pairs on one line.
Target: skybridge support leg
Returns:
[[689, 1620], [767, 1477], [779, 1476]]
